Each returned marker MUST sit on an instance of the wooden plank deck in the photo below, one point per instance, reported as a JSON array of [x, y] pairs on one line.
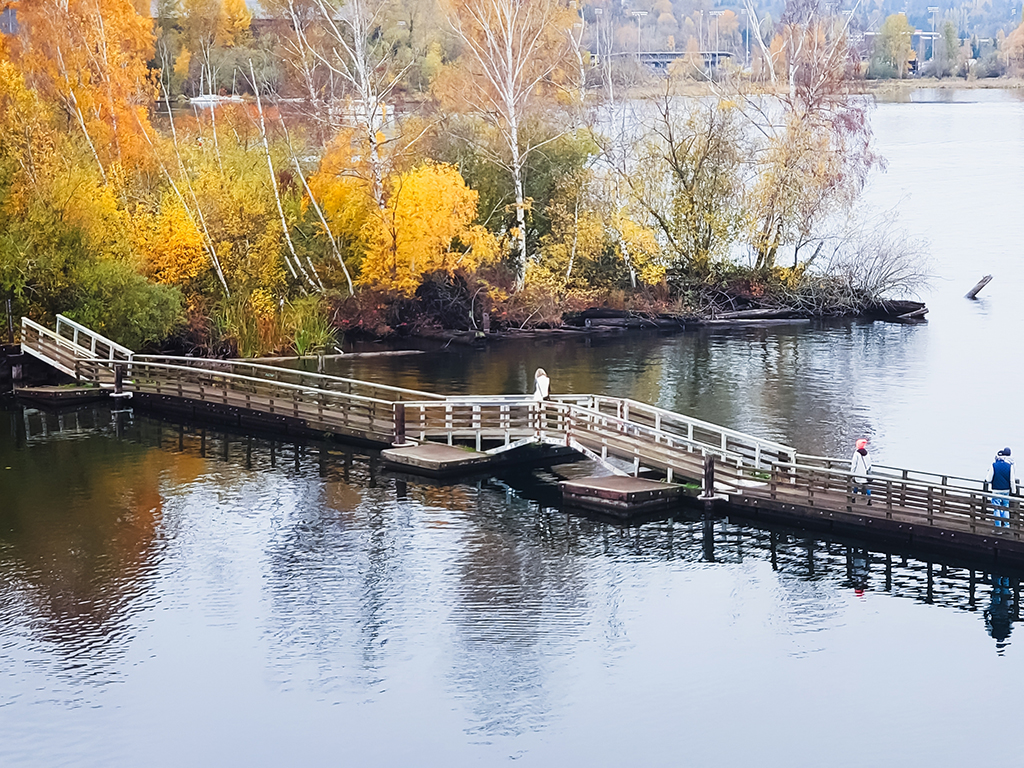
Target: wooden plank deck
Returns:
[[750, 475]]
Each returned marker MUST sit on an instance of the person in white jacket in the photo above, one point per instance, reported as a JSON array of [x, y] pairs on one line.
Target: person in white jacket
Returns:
[[541, 385], [860, 468]]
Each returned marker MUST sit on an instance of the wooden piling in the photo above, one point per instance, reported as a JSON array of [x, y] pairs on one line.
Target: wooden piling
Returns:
[[709, 476], [973, 293], [400, 424]]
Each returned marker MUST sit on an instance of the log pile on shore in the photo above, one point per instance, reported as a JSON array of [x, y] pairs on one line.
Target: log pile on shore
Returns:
[[602, 320], [893, 311]]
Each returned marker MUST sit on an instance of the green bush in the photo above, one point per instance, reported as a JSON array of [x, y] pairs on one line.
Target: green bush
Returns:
[[878, 69], [116, 301]]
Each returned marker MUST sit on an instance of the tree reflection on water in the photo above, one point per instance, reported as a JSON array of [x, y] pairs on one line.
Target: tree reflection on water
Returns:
[[481, 586]]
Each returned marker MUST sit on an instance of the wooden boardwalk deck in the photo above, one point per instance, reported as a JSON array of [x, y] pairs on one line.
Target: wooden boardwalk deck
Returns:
[[735, 472]]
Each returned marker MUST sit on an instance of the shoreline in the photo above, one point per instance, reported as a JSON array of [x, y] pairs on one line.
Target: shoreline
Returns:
[[599, 322], [946, 83]]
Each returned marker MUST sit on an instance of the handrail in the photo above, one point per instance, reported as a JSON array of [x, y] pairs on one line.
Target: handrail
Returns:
[[62, 341], [780, 447], [580, 418], [96, 339], [878, 481], [208, 362], [668, 439], [902, 473], [143, 366]]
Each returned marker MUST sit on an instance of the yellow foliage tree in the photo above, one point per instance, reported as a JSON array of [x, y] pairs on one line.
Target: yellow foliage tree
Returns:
[[429, 213], [344, 191], [645, 253], [1013, 48], [174, 252]]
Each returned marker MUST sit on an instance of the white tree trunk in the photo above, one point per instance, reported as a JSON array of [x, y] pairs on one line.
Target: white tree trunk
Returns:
[[273, 183]]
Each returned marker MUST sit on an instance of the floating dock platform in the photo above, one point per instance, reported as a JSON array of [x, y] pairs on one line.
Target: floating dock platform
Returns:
[[440, 460], [620, 495], [435, 459]]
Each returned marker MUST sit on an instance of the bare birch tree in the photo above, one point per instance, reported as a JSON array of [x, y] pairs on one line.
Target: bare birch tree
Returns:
[[815, 153], [357, 55], [273, 185], [511, 48]]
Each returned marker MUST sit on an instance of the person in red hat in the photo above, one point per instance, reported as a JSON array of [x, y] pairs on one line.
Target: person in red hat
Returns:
[[860, 468]]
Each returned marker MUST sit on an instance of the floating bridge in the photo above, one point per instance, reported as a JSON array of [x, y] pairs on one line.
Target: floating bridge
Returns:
[[653, 458]]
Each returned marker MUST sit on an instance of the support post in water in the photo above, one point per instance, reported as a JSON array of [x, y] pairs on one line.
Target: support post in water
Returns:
[[709, 476], [119, 392], [399, 424], [973, 293]]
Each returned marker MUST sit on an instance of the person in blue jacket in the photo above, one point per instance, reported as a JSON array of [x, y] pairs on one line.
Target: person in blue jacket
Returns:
[[1001, 478]]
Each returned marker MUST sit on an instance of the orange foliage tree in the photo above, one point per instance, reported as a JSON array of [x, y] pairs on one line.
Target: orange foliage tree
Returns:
[[90, 56]]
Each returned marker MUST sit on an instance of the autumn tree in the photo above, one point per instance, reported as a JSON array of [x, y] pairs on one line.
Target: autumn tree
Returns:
[[510, 49], [427, 226], [209, 26], [90, 56], [893, 46], [342, 188], [684, 178], [357, 54], [1013, 48], [813, 154], [26, 140], [592, 248], [173, 249], [302, 41]]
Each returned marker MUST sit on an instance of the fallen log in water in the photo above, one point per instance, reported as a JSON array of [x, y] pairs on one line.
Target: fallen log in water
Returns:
[[756, 314], [757, 321], [895, 310]]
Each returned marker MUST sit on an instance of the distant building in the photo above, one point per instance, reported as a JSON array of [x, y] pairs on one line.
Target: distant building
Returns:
[[660, 60], [8, 22]]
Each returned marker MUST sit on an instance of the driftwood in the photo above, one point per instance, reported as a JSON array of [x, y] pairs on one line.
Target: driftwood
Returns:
[[912, 317], [757, 321], [973, 293], [344, 356], [892, 309], [756, 314]]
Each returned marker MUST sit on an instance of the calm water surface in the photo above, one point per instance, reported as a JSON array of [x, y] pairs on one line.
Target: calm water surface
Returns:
[[172, 597]]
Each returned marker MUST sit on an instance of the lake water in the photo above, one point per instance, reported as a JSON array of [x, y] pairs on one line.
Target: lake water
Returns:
[[172, 596]]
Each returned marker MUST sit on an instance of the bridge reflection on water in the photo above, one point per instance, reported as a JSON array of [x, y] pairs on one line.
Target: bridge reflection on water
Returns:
[[346, 473]]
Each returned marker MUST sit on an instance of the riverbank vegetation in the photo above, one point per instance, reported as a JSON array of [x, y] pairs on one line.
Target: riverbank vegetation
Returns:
[[391, 166]]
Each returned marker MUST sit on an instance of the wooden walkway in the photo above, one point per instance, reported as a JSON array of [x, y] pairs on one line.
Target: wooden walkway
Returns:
[[718, 466]]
